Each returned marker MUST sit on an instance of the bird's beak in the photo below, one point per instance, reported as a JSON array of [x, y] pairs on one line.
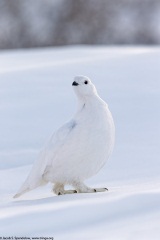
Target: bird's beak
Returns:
[[75, 84]]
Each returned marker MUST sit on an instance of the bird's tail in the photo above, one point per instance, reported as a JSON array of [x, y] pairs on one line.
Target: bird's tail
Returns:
[[17, 195], [35, 178], [26, 187]]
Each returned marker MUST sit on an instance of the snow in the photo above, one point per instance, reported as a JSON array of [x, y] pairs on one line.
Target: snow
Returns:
[[36, 97]]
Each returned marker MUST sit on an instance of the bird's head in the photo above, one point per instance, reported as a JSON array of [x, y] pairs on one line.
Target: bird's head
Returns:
[[83, 86]]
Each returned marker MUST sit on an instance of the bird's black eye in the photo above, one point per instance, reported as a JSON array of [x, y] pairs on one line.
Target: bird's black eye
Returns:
[[86, 82]]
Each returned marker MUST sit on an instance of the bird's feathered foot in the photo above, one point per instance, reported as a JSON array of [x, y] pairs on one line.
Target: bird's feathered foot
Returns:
[[100, 189], [67, 192], [82, 188], [58, 189]]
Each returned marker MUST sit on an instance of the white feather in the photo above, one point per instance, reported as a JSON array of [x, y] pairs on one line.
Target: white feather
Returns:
[[81, 147]]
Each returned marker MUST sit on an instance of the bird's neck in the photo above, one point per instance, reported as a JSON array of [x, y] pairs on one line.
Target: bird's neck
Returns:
[[89, 101]]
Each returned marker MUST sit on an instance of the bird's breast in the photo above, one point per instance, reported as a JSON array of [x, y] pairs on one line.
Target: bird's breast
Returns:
[[96, 129]]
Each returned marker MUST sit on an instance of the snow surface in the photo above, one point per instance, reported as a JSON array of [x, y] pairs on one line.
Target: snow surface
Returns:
[[36, 97]]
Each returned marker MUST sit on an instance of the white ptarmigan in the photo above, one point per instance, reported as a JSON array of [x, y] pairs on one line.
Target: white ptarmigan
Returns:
[[78, 149]]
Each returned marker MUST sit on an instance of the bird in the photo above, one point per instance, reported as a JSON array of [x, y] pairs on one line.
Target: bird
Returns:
[[79, 148]]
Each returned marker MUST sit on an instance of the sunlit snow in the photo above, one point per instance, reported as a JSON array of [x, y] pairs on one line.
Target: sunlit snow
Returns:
[[36, 97]]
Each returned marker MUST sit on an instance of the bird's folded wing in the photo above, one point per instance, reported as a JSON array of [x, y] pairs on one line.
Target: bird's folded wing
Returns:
[[46, 157], [58, 139]]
